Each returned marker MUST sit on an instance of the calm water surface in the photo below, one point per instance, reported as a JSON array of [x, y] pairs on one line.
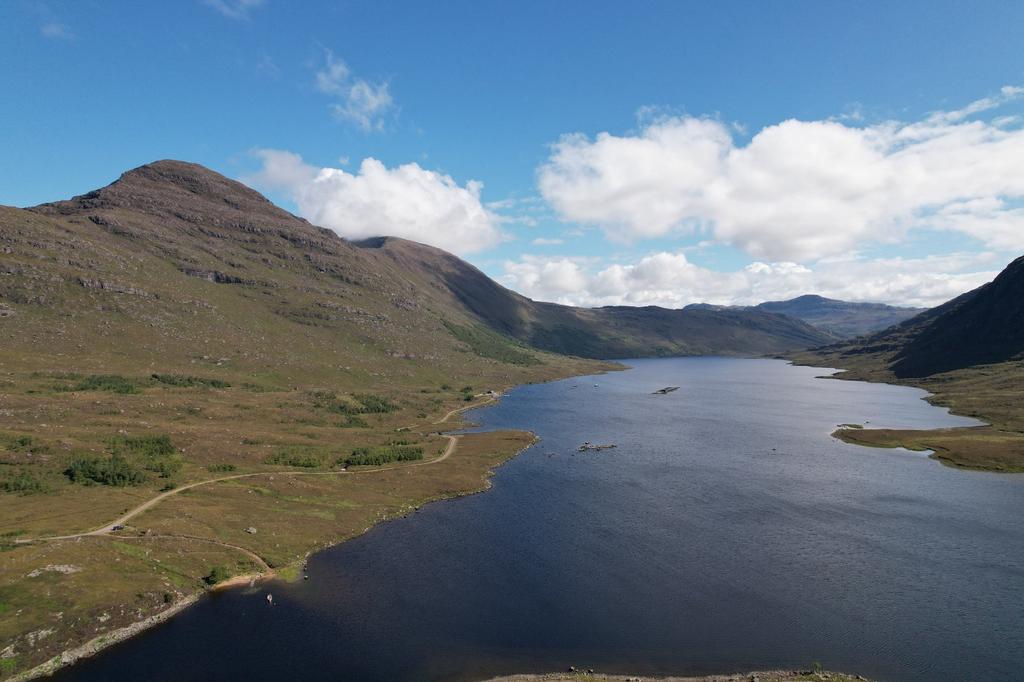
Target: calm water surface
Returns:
[[727, 532]]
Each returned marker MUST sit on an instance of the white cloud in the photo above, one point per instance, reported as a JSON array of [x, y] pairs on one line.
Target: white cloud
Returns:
[[671, 280], [545, 241], [799, 190], [268, 67], [332, 79], [361, 102], [364, 105], [56, 31], [405, 201], [235, 9]]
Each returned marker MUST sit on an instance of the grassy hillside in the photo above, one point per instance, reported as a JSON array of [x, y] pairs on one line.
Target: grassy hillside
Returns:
[[610, 332], [174, 329]]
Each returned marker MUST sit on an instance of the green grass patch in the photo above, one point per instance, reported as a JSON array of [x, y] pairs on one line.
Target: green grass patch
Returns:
[[383, 454], [489, 344], [133, 551], [23, 483], [356, 404], [103, 382], [157, 453], [145, 446], [217, 574], [221, 468], [374, 404], [188, 381], [114, 471], [25, 444]]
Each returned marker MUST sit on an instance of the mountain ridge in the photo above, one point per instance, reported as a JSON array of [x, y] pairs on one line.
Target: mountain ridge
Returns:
[[188, 214], [847, 319]]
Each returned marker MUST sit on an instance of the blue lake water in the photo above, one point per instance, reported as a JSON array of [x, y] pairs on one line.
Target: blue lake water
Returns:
[[727, 532]]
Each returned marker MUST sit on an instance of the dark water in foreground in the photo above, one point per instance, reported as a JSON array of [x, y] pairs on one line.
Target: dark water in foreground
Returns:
[[727, 532]]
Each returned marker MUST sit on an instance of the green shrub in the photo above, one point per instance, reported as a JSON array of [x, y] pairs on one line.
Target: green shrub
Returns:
[[157, 452], [114, 470], [146, 446], [164, 467], [364, 403], [374, 404], [22, 482], [188, 381], [26, 444], [220, 468], [217, 574], [383, 454], [354, 422], [104, 382]]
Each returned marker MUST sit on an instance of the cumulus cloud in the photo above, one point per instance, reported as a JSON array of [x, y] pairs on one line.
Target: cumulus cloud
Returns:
[[798, 190], [546, 241], [56, 31], [405, 201], [360, 101], [671, 280], [235, 9]]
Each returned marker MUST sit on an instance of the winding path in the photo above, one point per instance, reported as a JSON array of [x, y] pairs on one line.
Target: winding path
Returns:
[[149, 504]]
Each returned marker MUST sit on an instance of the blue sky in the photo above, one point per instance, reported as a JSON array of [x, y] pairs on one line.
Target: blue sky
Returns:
[[700, 191]]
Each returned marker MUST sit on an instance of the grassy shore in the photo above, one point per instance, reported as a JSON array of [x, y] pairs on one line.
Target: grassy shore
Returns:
[[285, 489], [989, 393]]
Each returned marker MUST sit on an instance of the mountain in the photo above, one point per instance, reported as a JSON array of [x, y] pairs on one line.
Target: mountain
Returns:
[[616, 332], [981, 327], [841, 318], [176, 261]]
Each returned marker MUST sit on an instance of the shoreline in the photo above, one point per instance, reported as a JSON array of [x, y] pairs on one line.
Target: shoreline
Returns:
[[106, 640], [103, 642], [983, 447], [753, 676]]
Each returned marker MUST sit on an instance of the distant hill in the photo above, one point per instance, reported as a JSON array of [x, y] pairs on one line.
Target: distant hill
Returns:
[[176, 261], [609, 332], [842, 318]]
